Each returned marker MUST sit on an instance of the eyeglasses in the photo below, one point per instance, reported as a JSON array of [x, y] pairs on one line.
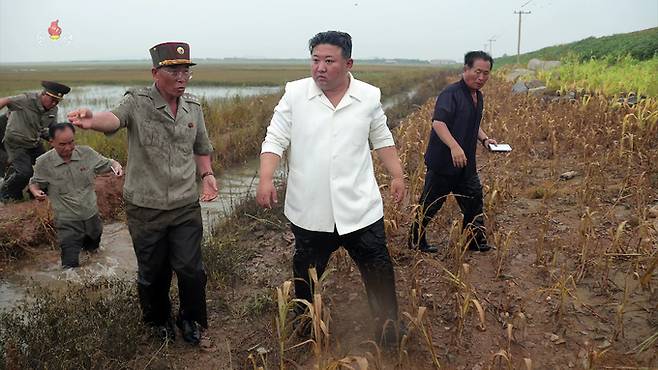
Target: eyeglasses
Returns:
[[184, 74]]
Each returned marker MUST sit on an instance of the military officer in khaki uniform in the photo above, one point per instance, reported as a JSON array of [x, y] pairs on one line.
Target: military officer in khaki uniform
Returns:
[[67, 173], [167, 146], [31, 113]]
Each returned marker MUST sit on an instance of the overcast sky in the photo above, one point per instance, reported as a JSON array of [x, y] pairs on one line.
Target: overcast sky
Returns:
[[423, 29]]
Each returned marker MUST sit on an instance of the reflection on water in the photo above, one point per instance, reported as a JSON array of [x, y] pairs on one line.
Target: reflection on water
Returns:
[[116, 257], [235, 185], [105, 97]]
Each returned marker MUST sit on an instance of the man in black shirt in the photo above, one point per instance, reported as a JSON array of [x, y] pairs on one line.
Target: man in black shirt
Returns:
[[450, 155]]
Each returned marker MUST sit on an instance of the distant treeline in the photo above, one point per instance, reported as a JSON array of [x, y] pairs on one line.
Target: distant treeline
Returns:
[[147, 63], [305, 61], [641, 45]]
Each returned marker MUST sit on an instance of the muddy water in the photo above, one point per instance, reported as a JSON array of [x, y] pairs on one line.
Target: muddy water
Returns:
[[116, 258], [393, 100]]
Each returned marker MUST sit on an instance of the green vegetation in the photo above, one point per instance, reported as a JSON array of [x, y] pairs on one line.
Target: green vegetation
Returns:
[[610, 76], [91, 326], [640, 45], [617, 64]]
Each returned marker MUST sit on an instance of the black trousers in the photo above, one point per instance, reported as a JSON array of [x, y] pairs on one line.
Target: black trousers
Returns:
[[74, 236], [3, 154], [3, 161], [468, 192], [19, 171], [166, 241], [367, 247]]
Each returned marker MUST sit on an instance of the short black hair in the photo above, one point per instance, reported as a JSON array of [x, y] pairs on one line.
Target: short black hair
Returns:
[[341, 39], [471, 56], [59, 126]]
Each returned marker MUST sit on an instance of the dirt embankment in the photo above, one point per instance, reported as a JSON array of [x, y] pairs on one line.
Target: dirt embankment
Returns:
[[28, 225]]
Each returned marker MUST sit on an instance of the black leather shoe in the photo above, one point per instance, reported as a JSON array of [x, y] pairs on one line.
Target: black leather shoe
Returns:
[[301, 325], [428, 248], [422, 246], [166, 332], [483, 247], [190, 330]]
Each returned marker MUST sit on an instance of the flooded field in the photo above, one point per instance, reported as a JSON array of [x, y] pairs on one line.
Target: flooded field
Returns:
[[115, 257], [105, 97]]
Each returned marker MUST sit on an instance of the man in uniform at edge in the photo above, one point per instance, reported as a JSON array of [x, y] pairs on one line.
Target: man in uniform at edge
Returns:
[[450, 155], [326, 122], [167, 145], [31, 114]]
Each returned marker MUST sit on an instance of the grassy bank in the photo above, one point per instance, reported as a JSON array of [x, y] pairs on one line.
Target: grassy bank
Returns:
[[609, 76], [639, 45], [611, 65], [89, 326]]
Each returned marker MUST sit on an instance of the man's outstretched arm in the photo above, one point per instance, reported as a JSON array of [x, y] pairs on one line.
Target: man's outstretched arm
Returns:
[[101, 121]]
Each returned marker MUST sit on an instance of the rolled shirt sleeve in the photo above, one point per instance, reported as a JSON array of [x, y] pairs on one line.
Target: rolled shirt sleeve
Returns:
[[101, 163], [40, 175], [277, 138], [125, 109], [444, 109], [380, 136]]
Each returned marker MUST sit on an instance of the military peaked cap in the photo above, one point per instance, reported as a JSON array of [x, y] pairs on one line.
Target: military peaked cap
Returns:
[[170, 54], [54, 89]]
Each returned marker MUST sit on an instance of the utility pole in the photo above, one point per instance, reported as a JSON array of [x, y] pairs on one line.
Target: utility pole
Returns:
[[491, 40], [518, 44]]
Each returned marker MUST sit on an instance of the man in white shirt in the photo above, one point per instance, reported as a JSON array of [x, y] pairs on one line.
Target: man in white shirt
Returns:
[[326, 123]]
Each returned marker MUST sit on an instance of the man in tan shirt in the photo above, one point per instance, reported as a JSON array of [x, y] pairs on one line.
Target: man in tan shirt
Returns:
[[67, 173], [167, 146]]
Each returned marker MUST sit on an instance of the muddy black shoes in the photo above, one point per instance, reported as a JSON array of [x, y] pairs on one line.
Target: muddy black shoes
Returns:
[[428, 248], [481, 246], [421, 245], [190, 331], [165, 332]]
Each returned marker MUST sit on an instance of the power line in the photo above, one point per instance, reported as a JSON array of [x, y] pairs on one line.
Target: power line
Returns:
[[518, 44], [491, 41]]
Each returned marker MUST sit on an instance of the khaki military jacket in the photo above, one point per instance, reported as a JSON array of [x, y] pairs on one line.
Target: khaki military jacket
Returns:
[[161, 170], [28, 120], [70, 186]]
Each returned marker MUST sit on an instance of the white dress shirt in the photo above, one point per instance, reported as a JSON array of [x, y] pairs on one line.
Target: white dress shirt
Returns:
[[331, 180]]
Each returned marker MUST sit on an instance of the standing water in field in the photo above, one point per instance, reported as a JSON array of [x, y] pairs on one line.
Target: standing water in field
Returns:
[[116, 258], [105, 97]]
